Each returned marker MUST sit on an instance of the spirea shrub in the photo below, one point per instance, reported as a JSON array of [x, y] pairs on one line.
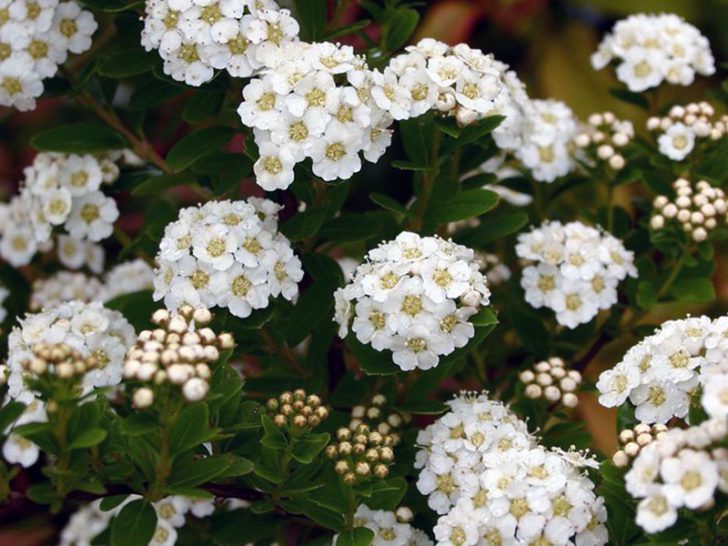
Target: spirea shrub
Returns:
[[299, 273]]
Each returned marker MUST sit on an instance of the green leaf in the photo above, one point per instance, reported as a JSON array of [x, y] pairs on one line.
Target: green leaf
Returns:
[[370, 360], [153, 93], [315, 305], [157, 184], [203, 104], [304, 224], [630, 97], [79, 138], [127, 62], [135, 524], [462, 206], [388, 203], [273, 437], [346, 30], [473, 133], [109, 503], [361, 536], [494, 229], [311, 14], [88, 438], [191, 428], [310, 445], [196, 145], [646, 295], [136, 307], [387, 494], [194, 472], [423, 407], [698, 290], [9, 413], [401, 23], [111, 6]]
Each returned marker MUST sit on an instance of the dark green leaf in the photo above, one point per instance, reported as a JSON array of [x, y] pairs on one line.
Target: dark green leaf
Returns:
[[401, 23], [158, 184], [196, 145], [135, 524], [462, 206], [361, 536], [388, 203], [79, 138], [310, 445], [128, 62], [88, 438], [273, 437], [191, 429], [698, 290], [630, 97], [203, 104]]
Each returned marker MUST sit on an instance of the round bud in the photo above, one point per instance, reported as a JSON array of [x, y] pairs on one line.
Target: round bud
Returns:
[[620, 139], [542, 367], [160, 316], [570, 400], [345, 448], [202, 315], [609, 118], [670, 210], [596, 120], [143, 398], [544, 379], [280, 420], [620, 459], [568, 384], [358, 412], [381, 471], [403, 513], [527, 376], [379, 400], [466, 116], [605, 151], [195, 389], [300, 421], [533, 391], [632, 449], [226, 341], [341, 467], [617, 162], [644, 439], [660, 201], [699, 234], [552, 393], [446, 102], [362, 468], [350, 478], [657, 222], [177, 324], [330, 452], [683, 215], [653, 123], [373, 413], [582, 140], [626, 436]]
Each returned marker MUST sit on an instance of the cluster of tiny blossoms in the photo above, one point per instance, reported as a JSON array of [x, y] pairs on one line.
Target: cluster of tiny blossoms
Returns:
[[457, 81], [365, 448], [680, 469], [60, 190], [602, 138], [227, 254], [85, 342], [696, 209], [297, 409], [66, 286], [196, 37], [632, 440], [573, 269], [90, 521], [36, 37], [179, 351], [651, 49], [413, 296], [550, 380], [683, 126], [492, 483], [89, 329], [660, 373], [317, 102], [389, 528]]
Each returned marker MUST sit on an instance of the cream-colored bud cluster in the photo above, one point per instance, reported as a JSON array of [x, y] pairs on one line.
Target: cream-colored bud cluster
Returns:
[[59, 360], [632, 440], [297, 409], [180, 351], [697, 115], [551, 380], [607, 135], [365, 448], [698, 209]]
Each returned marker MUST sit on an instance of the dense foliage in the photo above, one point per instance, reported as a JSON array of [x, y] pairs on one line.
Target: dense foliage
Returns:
[[369, 287]]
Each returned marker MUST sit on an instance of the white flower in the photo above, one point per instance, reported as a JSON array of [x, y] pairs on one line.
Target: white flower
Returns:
[[690, 478], [19, 450], [274, 168], [615, 385], [74, 27], [677, 142], [334, 154], [654, 513], [92, 217]]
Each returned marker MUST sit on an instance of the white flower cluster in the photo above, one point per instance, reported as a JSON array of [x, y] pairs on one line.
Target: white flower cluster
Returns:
[[90, 521], [197, 37], [315, 101], [180, 351], [35, 39], [551, 380], [697, 209], [573, 269], [542, 142], [389, 528], [458, 81], [88, 328], [229, 254], [682, 468], [683, 127], [492, 483], [413, 296], [61, 189], [662, 371], [651, 49], [602, 138], [66, 286]]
